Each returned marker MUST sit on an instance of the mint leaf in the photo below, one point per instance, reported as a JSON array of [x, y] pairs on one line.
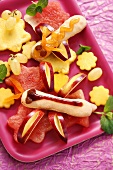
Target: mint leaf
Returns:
[[36, 7], [106, 124], [3, 71], [80, 51], [42, 3], [109, 105], [82, 48], [109, 115], [106, 120], [31, 10], [39, 9]]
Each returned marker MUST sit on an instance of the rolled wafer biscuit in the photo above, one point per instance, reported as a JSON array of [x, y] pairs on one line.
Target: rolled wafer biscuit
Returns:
[[75, 107], [78, 23]]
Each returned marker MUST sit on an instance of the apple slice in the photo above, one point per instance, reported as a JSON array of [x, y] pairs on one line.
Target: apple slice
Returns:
[[47, 74], [71, 84], [65, 53], [28, 125], [58, 123], [39, 27]]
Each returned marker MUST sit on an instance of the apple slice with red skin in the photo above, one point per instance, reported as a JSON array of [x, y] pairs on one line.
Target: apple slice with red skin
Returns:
[[38, 29], [28, 125], [58, 123], [71, 84], [65, 53], [47, 74]]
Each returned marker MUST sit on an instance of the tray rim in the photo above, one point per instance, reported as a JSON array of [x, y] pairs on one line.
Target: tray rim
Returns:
[[99, 132]]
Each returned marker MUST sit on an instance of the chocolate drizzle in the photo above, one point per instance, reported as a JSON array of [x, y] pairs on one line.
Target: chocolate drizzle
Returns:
[[43, 52], [33, 96]]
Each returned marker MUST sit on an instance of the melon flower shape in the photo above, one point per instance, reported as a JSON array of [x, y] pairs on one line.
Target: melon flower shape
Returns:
[[86, 61], [99, 95], [5, 93]]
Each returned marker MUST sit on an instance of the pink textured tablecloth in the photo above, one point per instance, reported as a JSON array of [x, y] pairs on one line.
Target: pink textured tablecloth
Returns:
[[96, 153]]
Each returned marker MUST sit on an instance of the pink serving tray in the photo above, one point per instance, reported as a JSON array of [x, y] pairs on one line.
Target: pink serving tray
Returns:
[[30, 151]]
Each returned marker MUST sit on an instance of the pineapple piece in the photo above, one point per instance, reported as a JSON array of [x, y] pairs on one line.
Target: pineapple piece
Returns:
[[60, 80]]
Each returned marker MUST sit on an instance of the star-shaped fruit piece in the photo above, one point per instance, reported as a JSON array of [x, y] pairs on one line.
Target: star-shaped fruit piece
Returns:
[[27, 48]]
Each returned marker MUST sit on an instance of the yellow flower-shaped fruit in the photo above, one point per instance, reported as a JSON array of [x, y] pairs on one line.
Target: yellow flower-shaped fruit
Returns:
[[86, 61], [13, 39], [99, 95], [5, 93]]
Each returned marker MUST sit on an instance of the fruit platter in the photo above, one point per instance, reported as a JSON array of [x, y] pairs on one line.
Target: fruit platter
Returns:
[[55, 83]]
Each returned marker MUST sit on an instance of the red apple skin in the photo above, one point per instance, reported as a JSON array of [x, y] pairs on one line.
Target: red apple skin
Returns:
[[38, 29], [64, 92], [38, 32], [52, 77], [62, 121], [60, 55], [76, 83], [29, 132], [43, 75], [67, 48]]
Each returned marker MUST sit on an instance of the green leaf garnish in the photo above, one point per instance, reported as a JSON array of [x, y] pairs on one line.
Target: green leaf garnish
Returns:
[[36, 7], [39, 9], [42, 3], [106, 120], [3, 72], [109, 115], [106, 124], [109, 105], [82, 48], [31, 10]]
